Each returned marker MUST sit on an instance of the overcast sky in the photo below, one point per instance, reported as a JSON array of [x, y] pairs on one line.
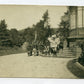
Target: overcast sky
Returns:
[[21, 17]]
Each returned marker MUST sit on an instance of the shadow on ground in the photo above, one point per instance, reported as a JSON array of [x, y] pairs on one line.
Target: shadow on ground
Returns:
[[74, 69], [58, 56]]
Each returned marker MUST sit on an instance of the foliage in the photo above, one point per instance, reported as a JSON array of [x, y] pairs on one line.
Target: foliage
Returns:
[[64, 25], [10, 50], [16, 37], [4, 34], [28, 34], [45, 16], [80, 43], [42, 28]]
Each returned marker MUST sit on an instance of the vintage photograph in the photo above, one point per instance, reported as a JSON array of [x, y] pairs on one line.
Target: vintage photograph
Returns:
[[42, 41]]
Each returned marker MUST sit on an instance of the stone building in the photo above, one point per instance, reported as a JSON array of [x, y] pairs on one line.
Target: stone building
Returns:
[[76, 16]]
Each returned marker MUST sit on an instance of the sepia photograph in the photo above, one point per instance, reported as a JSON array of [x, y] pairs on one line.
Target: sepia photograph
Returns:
[[42, 41]]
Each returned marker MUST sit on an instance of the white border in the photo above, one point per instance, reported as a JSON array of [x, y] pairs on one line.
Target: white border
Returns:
[[39, 81], [44, 2]]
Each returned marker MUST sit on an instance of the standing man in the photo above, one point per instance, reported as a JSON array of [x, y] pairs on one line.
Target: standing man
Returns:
[[53, 44], [57, 40]]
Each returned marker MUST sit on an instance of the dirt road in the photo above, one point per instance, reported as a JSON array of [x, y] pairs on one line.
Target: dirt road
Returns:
[[20, 65]]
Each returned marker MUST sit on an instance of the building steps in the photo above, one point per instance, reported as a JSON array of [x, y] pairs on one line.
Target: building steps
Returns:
[[66, 53]]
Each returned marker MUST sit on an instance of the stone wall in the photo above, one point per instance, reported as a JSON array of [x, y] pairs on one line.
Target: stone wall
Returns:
[[75, 49]]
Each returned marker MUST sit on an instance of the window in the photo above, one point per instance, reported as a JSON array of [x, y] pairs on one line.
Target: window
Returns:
[[79, 21], [79, 17], [73, 19], [83, 15]]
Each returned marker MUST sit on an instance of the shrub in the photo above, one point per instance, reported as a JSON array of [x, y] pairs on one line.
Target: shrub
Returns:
[[81, 45]]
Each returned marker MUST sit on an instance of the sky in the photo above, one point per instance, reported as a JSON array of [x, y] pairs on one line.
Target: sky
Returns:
[[23, 16]]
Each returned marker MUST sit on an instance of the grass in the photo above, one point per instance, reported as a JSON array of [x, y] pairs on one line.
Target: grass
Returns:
[[9, 50]]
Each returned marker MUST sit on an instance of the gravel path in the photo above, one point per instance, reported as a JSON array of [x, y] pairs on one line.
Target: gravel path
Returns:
[[20, 65]]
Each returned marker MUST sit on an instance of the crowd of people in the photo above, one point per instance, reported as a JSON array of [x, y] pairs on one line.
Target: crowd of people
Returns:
[[55, 44], [53, 47]]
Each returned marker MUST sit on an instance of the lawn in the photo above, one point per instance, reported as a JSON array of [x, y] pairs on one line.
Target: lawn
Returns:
[[9, 50]]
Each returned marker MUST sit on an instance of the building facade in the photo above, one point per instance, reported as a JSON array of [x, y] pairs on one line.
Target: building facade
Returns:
[[76, 16]]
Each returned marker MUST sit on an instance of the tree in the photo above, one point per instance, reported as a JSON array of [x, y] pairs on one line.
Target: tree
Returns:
[[21, 38], [29, 35], [45, 16], [46, 19], [64, 25], [80, 43], [14, 36], [4, 34], [3, 25], [41, 29]]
